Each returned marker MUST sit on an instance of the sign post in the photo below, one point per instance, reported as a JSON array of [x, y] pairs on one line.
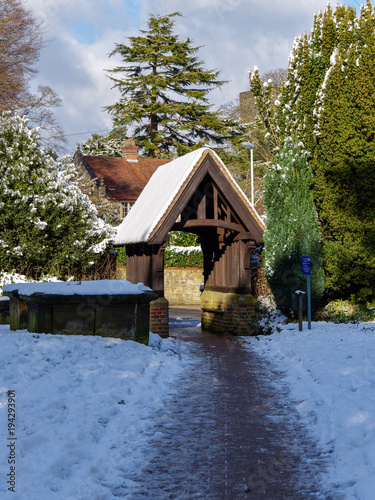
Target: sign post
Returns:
[[306, 269]]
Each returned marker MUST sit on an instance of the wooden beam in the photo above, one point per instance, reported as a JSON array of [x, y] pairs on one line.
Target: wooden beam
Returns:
[[204, 223], [201, 209], [244, 237], [216, 199]]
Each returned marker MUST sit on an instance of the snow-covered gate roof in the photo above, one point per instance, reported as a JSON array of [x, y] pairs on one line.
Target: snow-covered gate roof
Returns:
[[162, 200]]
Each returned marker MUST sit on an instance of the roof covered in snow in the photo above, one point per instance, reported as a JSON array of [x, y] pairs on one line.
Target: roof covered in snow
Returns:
[[163, 190]]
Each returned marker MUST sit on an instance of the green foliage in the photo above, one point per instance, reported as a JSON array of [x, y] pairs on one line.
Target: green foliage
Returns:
[[327, 103], [347, 311], [182, 239], [182, 251], [345, 163], [46, 224], [292, 228], [164, 87], [183, 258], [121, 259]]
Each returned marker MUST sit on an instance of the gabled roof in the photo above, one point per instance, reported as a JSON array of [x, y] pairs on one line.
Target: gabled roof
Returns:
[[156, 210], [123, 179]]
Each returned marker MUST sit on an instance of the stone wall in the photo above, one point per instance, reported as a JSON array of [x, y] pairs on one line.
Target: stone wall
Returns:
[[181, 286]]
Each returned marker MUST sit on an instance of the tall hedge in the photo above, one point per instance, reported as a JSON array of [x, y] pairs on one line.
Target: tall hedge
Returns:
[[292, 228], [328, 103]]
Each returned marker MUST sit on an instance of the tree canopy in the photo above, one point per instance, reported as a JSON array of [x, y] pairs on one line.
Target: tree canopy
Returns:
[[327, 102], [46, 224], [164, 89]]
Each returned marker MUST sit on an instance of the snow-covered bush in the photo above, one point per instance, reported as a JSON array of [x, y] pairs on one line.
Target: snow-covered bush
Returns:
[[183, 250], [46, 224], [292, 228], [267, 317]]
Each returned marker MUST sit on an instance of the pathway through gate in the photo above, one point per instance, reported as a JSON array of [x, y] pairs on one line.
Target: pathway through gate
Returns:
[[226, 434]]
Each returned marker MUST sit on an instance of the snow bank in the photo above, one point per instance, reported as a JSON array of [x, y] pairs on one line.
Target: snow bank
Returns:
[[84, 411], [331, 372], [13, 277]]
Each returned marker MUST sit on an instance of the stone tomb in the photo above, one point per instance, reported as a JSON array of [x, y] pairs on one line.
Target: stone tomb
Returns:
[[110, 308], [4, 310]]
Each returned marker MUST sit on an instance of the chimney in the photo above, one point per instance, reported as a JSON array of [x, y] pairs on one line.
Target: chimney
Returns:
[[130, 150]]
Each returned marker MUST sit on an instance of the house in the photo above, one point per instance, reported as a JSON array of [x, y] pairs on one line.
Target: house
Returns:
[[114, 184]]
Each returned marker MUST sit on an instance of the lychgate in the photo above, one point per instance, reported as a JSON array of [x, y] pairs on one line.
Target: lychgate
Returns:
[[196, 193]]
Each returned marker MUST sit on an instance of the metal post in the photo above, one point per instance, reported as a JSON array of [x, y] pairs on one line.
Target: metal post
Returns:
[[249, 145], [252, 176]]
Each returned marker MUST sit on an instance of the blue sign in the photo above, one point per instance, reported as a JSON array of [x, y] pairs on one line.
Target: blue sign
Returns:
[[306, 265]]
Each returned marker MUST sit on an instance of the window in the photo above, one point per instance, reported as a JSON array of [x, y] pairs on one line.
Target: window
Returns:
[[125, 208]]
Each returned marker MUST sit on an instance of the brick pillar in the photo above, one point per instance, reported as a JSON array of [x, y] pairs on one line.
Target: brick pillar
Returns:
[[159, 317], [227, 312]]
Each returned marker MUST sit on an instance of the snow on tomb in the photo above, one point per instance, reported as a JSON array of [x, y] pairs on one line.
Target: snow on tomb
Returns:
[[110, 308], [196, 193]]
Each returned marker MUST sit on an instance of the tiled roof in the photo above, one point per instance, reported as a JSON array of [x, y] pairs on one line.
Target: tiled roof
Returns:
[[124, 180]]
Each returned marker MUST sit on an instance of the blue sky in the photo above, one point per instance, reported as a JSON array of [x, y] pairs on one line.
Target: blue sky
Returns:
[[236, 35]]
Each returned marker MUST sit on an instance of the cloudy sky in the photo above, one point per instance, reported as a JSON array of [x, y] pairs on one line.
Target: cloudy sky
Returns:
[[235, 35]]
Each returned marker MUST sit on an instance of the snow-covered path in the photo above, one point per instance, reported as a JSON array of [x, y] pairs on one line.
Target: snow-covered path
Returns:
[[291, 415], [227, 434]]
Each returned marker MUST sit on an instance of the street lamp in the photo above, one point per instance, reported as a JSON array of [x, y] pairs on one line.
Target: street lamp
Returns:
[[249, 145]]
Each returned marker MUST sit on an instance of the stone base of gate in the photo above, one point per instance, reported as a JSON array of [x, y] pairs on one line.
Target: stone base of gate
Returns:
[[159, 317], [227, 312]]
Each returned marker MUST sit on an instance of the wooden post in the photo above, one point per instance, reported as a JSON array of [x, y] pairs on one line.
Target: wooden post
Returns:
[[300, 295]]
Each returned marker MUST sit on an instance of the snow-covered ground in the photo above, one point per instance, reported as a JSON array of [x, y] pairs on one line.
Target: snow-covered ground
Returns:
[[331, 372], [84, 408], [85, 405]]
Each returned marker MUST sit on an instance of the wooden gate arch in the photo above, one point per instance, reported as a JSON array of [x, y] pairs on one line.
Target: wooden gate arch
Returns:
[[196, 193]]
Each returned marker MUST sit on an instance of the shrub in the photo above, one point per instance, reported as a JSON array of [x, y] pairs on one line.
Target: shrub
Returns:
[[292, 228], [47, 226]]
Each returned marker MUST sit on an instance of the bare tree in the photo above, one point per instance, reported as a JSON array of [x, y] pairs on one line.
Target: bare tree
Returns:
[[39, 110], [21, 41]]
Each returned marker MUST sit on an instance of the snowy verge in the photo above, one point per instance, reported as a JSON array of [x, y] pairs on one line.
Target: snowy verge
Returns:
[[331, 373], [84, 410], [7, 278]]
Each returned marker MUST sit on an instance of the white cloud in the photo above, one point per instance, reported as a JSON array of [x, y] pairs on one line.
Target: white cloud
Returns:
[[235, 34]]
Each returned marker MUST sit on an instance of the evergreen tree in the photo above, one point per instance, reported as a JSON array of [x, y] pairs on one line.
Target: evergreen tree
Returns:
[[327, 103], [164, 89], [46, 224], [292, 228]]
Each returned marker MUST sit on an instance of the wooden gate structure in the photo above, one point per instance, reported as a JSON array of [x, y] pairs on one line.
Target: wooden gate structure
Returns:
[[196, 193]]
